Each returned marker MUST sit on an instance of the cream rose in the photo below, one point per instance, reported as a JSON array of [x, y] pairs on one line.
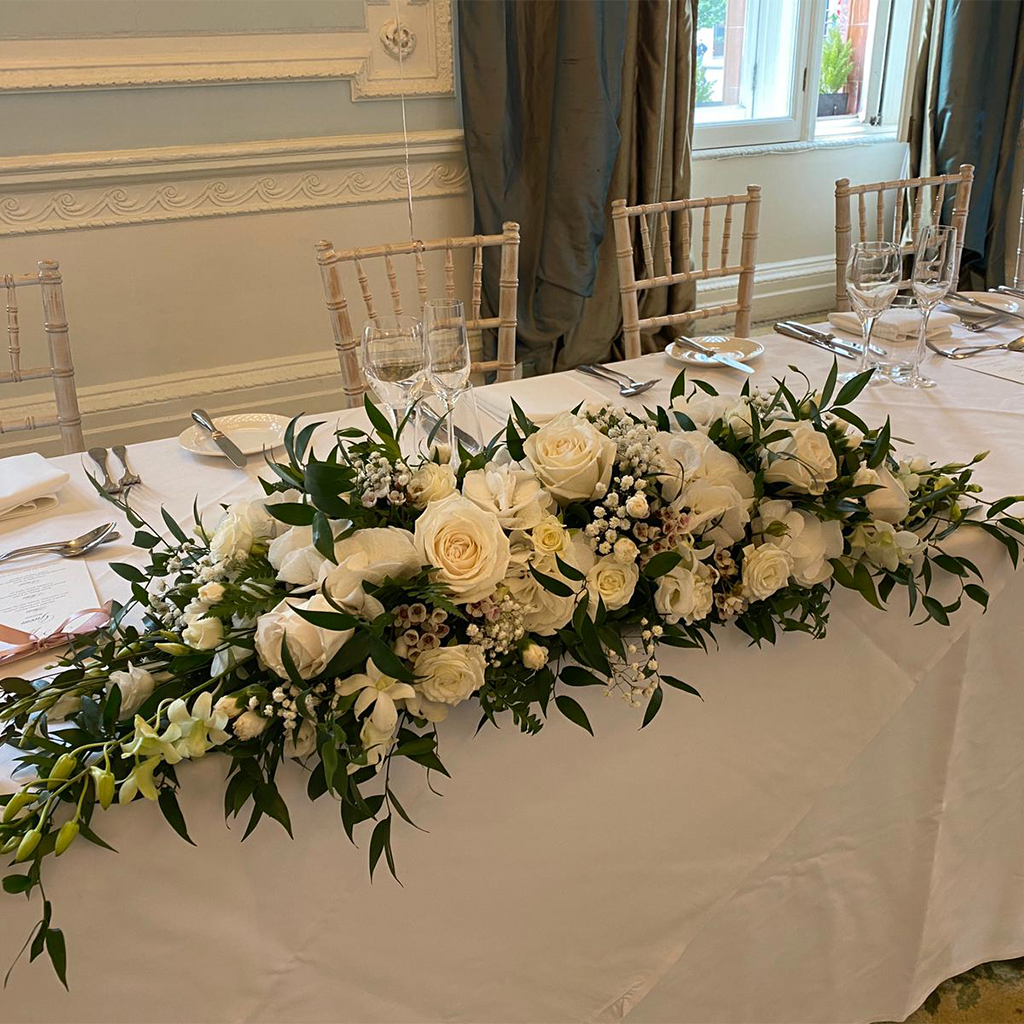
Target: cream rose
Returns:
[[466, 546], [310, 646], [611, 581], [448, 675], [803, 461], [514, 495], [431, 482], [573, 459], [686, 593], [766, 569], [550, 537], [211, 593]]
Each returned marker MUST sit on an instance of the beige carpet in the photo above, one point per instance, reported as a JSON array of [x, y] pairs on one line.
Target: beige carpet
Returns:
[[990, 994]]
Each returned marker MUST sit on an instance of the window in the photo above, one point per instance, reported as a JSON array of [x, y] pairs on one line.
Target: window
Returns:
[[784, 70]]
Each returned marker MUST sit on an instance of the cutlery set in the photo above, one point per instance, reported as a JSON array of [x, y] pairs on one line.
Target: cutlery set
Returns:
[[821, 339], [68, 548]]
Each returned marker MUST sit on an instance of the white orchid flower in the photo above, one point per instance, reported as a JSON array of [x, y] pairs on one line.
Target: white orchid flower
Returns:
[[201, 729], [140, 781], [378, 690], [147, 742]]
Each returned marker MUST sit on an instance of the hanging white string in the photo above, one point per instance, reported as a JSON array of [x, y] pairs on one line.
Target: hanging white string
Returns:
[[399, 40]]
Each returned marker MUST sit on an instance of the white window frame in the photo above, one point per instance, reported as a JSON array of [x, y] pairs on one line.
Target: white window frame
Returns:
[[880, 114]]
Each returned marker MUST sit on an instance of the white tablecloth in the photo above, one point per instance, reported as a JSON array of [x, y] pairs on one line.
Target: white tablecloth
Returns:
[[832, 832]]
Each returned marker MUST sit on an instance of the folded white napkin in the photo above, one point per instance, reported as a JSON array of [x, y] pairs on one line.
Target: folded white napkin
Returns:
[[898, 325], [542, 398], [28, 484]]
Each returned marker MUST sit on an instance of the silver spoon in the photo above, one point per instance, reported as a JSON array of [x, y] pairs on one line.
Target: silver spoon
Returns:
[[68, 548], [625, 390]]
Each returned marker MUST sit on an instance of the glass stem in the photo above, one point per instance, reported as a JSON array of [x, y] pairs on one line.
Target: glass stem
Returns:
[[412, 425], [915, 369], [865, 357], [449, 404]]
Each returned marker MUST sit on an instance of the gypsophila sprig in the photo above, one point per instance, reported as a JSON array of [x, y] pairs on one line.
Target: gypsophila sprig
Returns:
[[341, 617]]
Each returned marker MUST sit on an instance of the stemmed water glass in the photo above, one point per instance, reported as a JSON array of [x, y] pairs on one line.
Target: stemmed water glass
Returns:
[[873, 274], [931, 279], [395, 363], [444, 322]]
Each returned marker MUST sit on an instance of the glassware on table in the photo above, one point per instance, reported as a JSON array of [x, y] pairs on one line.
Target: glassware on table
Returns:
[[395, 363], [873, 273], [447, 342], [932, 278]]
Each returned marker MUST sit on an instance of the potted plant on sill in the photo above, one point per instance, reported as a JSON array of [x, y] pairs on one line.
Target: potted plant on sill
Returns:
[[836, 64]]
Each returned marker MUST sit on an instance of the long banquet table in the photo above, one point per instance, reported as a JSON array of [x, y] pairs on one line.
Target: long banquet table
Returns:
[[835, 829]]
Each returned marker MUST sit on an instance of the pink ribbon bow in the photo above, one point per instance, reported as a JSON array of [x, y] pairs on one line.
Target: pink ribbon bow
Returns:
[[21, 644]]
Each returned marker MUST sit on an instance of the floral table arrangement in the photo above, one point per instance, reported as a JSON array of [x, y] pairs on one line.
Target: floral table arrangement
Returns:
[[341, 618]]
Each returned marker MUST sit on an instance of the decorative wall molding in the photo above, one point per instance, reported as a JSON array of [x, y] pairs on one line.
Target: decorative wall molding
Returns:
[[362, 55], [106, 189], [785, 287]]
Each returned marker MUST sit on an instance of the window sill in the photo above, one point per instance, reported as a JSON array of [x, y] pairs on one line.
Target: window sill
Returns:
[[871, 136]]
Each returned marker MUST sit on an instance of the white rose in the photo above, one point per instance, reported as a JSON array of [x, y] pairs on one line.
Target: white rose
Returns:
[[686, 593], [301, 742], [804, 461], [294, 557], [449, 675], [534, 656], [891, 503], [611, 581], [310, 646], [203, 633], [766, 569], [249, 725], [637, 506], [550, 537], [431, 482], [514, 495], [136, 684], [211, 593], [625, 550], [466, 546], [573, 459], [244, 524]]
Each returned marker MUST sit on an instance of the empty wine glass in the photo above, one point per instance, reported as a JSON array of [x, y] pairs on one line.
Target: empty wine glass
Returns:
[[444, 322], [395, 363], [931, 279], [872, 280]]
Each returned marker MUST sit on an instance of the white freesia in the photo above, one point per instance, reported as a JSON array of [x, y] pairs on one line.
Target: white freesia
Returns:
[[465, 545], [431, 482], [378, 691], [310, 646], [766, 569], [803, 461], [300, 742], [450, 675], [513, 494], [685, 592], [136, 684], [573, 459], [810, 542], [376, 743], [203, 633]]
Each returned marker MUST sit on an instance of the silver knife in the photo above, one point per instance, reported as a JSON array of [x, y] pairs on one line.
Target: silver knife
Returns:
[[469, 442], [958, 297], [224, 443], [716, 357], [831, 339], [1005, 289], [792, 331]]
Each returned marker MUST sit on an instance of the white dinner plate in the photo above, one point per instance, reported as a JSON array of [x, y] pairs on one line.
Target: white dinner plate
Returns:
[[251, 431], [743, 349], [999, 300]]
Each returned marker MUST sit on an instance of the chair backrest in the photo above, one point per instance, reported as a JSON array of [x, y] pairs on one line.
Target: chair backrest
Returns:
[[346, 341], [61, 369], [630, 287], [912, 196]]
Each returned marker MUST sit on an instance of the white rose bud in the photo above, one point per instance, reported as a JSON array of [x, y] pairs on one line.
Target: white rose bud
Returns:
[[625, 551], [431, 482], [203, 634], [301, 742], [249, 725], [534, 656], [211, 593]]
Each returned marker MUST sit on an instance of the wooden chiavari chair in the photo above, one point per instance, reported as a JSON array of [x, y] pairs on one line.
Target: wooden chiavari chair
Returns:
[[347, 341], [630, 287], [61, 369], [911, 196]]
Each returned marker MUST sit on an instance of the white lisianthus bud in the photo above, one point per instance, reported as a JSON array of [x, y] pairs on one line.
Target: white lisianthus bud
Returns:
[[534, 656], [637, 506], [211, 593], [249, 725], [625, 551]]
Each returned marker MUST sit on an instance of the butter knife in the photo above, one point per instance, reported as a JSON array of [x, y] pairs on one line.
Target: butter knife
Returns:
[[828, 337], [792, 331], [716, 357], [224, 443]]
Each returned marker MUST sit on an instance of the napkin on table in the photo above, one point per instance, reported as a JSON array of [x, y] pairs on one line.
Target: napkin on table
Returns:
[[898, 325], [28, 484], [542, 398]]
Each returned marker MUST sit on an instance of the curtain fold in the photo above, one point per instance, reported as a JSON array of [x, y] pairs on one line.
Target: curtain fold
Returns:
[[968, 109], [567, 106]]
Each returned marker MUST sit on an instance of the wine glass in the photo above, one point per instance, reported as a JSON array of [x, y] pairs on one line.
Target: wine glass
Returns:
[[931, 279], [395, 363], [444, 322], [872, 280]]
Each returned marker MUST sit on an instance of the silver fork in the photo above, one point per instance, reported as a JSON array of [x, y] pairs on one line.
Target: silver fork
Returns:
[[967, 351], [985, 323], [99, 456], [128, 478], [626, 390]]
